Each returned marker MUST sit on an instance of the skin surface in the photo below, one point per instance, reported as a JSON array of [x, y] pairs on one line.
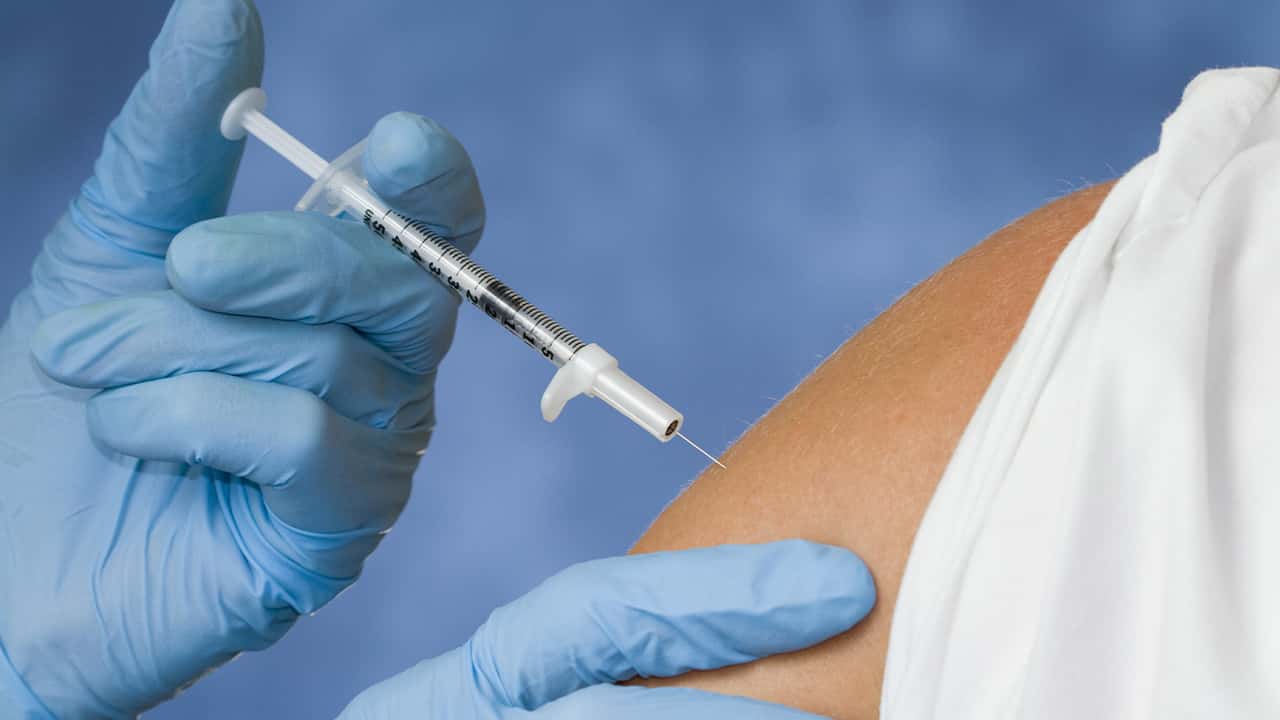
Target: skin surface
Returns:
[[852, 456]]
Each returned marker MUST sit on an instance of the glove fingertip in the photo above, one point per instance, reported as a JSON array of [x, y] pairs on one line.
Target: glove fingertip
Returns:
[[186, 254], [861, 586], [207, 263], [421, 170], [844, 578], [407, 151], [53, 347], [211, 24], [106, 413]]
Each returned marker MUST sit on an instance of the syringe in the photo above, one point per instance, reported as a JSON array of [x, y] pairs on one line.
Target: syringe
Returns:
[[340, 186]]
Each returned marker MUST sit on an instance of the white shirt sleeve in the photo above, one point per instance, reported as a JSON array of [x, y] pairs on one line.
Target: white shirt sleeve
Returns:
[[1105, 542]]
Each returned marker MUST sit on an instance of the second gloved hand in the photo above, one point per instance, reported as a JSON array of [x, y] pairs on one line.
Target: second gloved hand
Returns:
[[217, 427], [555, 653]]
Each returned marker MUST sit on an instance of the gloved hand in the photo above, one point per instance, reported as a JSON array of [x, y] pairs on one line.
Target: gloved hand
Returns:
[[268, 391], [555, 652]]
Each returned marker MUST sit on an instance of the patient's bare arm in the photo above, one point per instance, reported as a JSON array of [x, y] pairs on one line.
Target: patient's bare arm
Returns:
[[852, 456]]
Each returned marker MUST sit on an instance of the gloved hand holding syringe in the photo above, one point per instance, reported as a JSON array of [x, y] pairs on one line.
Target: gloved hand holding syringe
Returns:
[[340, 186]]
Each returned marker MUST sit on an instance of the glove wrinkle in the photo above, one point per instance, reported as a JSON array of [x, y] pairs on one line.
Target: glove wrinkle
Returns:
[[16, 695]]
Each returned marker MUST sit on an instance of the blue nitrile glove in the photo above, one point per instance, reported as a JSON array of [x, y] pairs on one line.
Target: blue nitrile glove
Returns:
[[269, 392], [555, 653]]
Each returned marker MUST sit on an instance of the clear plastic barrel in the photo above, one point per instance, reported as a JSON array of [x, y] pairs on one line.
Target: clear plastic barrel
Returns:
[[342, 187]]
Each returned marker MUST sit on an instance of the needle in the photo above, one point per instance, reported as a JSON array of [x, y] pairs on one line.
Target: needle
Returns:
[[694, 445]]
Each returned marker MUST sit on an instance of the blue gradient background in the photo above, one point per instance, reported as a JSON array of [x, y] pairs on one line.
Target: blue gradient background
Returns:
[[717, 192]]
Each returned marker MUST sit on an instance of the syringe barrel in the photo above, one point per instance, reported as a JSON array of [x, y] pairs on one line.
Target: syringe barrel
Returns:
[[340, 187], [454, 269]]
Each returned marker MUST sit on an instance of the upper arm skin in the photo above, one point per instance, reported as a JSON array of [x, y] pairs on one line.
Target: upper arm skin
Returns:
[[852, 456]]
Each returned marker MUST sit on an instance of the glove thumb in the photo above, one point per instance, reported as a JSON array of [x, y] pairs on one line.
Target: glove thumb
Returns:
[[164, 163]]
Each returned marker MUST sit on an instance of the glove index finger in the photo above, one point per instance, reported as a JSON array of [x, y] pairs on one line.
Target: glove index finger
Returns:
[[665, 614], [310, 268]]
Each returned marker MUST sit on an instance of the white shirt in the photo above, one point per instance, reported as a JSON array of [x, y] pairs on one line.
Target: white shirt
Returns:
[[1105, 542]]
